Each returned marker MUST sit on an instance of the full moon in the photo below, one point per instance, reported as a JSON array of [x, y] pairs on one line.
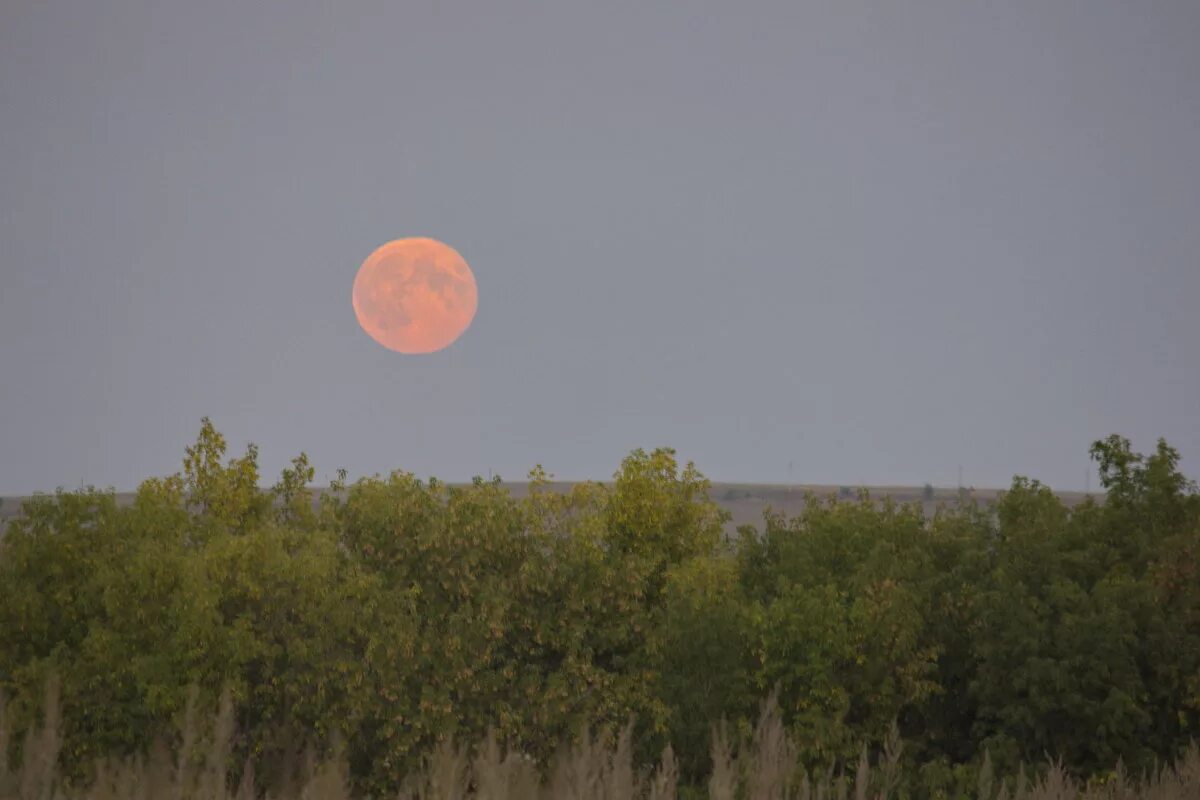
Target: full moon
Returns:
[[415, 295]]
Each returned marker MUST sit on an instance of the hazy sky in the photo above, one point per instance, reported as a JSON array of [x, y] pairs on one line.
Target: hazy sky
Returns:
[[872, 241]]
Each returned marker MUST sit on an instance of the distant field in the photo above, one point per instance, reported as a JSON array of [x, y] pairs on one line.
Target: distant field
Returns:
[[745, 502]]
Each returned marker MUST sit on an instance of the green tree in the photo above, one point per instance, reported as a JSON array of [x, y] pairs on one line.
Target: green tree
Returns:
[[705, 657], [843, 591]]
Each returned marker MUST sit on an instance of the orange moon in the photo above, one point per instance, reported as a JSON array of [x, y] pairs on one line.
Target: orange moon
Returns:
[[415, 295]]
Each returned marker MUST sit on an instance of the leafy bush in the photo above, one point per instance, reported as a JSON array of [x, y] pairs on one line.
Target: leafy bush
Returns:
[[396, 614]]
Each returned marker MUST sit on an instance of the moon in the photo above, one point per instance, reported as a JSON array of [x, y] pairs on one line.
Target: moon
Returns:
[[415, 295]]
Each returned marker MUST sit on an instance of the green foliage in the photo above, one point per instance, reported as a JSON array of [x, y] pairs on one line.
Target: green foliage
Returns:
[[842, 590], [707, 662], [395, 614]]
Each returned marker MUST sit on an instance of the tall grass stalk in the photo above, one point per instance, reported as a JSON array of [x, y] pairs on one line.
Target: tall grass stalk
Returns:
[[593, 767]]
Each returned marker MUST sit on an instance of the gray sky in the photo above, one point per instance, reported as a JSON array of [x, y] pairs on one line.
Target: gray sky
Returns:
[[875, 241]]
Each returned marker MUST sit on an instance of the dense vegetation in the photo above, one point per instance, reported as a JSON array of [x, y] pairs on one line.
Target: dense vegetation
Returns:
[[396, 614]]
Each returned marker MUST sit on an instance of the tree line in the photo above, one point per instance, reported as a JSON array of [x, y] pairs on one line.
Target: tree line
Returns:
[[394, 614]]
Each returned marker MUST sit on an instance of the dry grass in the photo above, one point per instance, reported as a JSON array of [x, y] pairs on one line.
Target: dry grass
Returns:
[[592, 768]]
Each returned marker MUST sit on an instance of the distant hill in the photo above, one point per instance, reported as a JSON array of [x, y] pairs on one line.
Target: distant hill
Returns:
[[745, 502]]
